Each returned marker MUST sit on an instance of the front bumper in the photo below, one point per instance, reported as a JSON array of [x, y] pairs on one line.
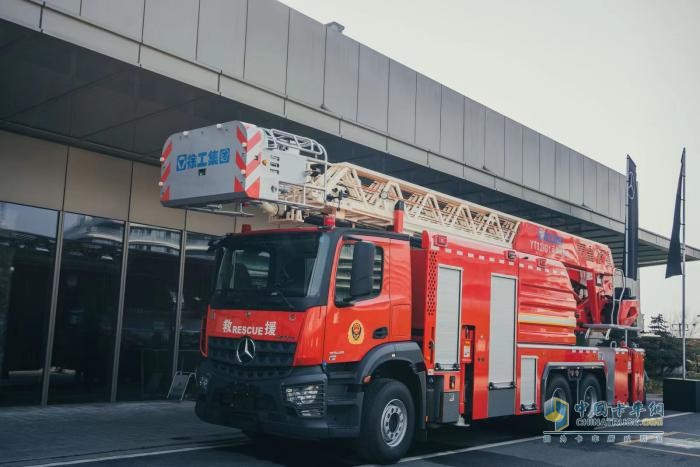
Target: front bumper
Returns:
[[259, 405]]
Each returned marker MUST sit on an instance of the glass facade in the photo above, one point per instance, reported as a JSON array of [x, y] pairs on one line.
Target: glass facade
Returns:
[[86, 311], [27, 254], [90, 317], [150, 306], [196, 288]]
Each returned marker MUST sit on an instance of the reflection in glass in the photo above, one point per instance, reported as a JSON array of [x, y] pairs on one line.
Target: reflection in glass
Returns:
[[196, 288], [27, 251], [344, 270], [81, 368], [274, 271], [145, 360]]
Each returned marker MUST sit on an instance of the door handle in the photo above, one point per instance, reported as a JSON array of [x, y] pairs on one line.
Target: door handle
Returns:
[[380, 333]]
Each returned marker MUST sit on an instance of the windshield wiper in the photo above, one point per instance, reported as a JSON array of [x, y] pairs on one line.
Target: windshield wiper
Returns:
[[278, 290]]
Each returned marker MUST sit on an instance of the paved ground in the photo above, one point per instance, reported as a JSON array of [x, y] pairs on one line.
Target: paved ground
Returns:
[[168, 434], [35, 435]]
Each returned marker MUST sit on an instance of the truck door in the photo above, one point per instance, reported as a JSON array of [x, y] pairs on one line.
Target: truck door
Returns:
[[448, 316], [502, 345], [353, 329]]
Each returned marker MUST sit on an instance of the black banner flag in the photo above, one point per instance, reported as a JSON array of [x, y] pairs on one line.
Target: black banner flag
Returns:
[[674, 260], [631, 257]]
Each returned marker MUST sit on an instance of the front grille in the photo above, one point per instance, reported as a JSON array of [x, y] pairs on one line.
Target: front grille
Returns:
[[272, 359], [246, 398]]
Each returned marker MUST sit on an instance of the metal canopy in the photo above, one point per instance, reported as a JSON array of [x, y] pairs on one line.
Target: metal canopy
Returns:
[[59, 91]]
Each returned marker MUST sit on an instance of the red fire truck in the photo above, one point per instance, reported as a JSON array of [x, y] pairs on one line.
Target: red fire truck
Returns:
[[379, 309]]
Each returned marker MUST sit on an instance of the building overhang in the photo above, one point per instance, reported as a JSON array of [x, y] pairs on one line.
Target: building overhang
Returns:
[[60, 91]]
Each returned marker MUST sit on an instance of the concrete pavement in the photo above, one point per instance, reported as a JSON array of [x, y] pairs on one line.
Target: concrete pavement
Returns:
[[34, 435], [169, 434]]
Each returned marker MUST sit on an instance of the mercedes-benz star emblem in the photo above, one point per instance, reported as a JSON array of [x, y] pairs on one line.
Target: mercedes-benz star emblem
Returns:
[[245, 352]]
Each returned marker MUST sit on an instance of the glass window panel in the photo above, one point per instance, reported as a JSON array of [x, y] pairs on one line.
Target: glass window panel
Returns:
[[268, 271], [88, 298], [150, 300], [342, 275], [27, 252], [196, 288]]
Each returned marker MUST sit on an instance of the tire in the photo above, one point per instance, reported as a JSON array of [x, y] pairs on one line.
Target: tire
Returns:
[[590, 392], [388, 422], [558, 386]]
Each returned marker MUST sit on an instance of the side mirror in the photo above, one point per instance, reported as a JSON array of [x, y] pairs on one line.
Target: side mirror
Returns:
[[362, 269]]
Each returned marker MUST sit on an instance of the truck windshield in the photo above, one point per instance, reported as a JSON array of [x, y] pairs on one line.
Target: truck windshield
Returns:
[[269, 271]]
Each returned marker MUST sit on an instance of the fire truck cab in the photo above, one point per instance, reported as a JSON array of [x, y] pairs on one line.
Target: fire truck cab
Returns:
[[300, 321]]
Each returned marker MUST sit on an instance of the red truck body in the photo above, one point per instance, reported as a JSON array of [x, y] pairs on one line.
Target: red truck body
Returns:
[[395, 333]]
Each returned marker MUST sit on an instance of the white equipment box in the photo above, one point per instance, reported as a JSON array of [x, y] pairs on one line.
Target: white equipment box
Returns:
[[234, 161]]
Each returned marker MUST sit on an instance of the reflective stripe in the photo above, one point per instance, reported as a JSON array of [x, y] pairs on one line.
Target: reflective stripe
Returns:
[[544, 319]]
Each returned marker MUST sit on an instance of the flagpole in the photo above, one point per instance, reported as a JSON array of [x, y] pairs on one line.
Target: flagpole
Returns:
[[683, 258], [625, 256]]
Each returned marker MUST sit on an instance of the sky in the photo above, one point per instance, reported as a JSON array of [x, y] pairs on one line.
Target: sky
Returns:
[[606, 78]]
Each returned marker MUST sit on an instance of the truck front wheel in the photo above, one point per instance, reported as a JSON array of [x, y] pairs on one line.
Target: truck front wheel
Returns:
[[388, 422]]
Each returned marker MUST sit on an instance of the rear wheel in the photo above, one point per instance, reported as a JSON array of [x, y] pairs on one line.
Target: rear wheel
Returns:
[[590, 393], [558, 387], [388, 422]]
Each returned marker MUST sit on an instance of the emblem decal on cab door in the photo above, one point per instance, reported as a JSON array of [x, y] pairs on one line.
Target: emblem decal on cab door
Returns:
[[356, 333]]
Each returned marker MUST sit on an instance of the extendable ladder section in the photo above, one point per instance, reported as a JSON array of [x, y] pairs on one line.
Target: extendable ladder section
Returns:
[[367, 197]]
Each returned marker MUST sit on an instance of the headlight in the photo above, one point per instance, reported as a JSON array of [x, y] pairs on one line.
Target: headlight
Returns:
[[304, 395]]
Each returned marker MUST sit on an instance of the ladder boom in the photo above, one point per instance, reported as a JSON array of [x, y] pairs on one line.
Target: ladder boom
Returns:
[[368, 197], [242, 163], [290, 177]]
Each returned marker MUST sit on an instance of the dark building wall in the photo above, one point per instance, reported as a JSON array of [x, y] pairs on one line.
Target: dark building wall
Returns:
[[90, 268]]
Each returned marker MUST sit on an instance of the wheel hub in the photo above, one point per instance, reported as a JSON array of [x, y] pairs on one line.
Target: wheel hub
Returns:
[[393, 422]]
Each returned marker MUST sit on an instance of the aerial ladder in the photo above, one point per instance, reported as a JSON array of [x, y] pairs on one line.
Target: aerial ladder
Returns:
[[227, 167], [290, 177]]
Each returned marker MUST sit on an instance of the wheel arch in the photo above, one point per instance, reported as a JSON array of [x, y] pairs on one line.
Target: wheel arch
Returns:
[[580, 369], [402, 361], [599, 374]]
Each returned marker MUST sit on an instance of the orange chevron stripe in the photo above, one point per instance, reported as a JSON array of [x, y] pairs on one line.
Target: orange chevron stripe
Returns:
[[254, 140], [166, 173], [253, 164], [240, 136], [165, 196], [254, 190], [237, 187], [168, 149], [239, 161]]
